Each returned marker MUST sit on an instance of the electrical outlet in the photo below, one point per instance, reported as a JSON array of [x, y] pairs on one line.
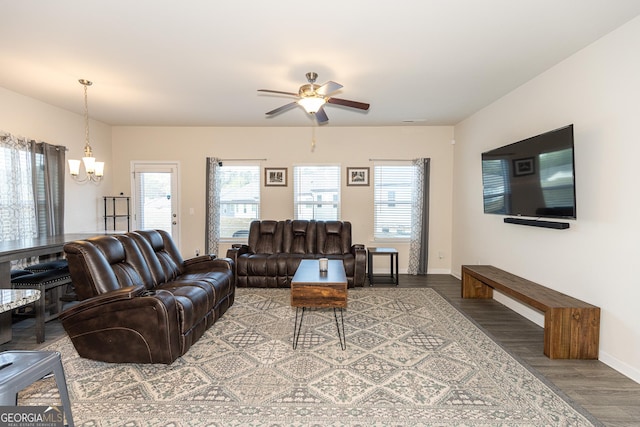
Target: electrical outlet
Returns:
[[197, 252]]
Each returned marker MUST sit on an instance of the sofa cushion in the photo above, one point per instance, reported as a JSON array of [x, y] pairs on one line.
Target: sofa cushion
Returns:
[[266, 237], [100, 265], [194, 302], [160, 256], [334, 237], [299, 237]]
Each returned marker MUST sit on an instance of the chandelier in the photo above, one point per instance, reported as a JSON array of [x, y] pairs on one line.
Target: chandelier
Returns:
[[94, 170]]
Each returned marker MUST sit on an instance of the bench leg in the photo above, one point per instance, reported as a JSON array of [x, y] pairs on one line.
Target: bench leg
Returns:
[[572, 333], [474, 288]]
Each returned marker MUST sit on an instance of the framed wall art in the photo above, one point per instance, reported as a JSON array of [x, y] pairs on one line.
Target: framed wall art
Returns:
[[275, 177], [357, 176]]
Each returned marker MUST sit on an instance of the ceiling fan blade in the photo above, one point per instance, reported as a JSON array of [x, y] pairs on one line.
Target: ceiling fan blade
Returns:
[[347, 103], [278, 91], [321, 116], [281, 109], [328, 87]]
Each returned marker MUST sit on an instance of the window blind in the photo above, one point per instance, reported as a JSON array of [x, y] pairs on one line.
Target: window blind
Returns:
[[239, 199], [393, 192], [316, 192]]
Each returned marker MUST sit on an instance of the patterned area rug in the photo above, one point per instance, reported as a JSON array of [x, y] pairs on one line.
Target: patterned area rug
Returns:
[[411, 360]]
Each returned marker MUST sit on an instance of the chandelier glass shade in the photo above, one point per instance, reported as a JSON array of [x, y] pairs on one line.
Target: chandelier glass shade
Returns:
[[94, 171]]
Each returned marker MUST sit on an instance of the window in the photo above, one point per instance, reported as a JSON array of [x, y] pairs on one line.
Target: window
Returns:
[[31, 188], [392, 200], [17, 209], [239, 199], [316, 192]]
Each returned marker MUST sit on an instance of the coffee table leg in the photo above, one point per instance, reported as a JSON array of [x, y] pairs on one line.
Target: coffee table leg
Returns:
[[341, 336], [297, 327]]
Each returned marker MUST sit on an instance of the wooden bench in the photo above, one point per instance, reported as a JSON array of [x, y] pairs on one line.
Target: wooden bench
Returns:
[[571, 326]]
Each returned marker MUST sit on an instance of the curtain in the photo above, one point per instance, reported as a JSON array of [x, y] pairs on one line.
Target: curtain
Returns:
[[17, 201], [212, 239], [48, 165], [419, 246]]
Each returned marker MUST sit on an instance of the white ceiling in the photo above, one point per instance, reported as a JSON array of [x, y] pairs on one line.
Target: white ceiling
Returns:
[[200, 62]]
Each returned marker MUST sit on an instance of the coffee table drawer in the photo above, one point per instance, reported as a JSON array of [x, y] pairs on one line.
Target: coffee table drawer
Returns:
[[319, 296]]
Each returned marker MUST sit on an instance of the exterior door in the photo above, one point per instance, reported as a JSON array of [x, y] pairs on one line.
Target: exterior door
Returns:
[[155, 197]]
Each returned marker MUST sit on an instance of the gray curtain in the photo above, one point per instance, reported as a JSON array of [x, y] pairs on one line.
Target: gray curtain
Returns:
[[212, 239], [48, 166], [419, 247]]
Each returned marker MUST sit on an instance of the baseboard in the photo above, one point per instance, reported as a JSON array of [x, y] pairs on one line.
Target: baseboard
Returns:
[[404, 271], [618, 365]]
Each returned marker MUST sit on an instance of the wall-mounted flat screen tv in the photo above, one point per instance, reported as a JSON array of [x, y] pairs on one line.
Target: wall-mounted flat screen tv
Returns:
[[533, 177]]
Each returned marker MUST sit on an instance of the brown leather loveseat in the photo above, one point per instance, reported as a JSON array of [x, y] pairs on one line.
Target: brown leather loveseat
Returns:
[[275, 249], [140, 302]]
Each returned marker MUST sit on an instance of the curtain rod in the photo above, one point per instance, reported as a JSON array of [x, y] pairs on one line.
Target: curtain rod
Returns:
[[391, 160], [237, 160]]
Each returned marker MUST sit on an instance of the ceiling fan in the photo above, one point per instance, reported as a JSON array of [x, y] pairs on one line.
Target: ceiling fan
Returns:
[[312, 98]]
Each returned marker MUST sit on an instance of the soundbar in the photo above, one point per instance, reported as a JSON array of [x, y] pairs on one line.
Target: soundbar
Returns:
[[538, 223]]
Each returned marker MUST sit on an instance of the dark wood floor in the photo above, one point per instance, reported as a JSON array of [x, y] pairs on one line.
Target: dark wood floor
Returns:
[[610, 396]]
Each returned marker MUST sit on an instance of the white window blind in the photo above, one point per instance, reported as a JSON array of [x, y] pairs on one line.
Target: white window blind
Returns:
[[316, 192], [239, 199], [393, 192], [154, 200]]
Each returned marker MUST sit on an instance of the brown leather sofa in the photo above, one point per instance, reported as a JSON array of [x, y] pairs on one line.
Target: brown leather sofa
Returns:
[[140, 302], [275, 249]]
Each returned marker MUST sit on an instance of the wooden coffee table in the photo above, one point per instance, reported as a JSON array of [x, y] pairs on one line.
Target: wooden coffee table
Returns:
[[312, 289]]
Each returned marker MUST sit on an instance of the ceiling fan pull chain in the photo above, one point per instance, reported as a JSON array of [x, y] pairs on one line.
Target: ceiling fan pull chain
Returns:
[[313, 139]]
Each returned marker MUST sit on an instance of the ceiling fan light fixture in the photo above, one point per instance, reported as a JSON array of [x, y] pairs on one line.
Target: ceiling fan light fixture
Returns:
[[312, 104]]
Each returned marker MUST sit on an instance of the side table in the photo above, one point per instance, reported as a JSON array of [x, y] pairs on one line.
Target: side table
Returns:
[[393, 258]]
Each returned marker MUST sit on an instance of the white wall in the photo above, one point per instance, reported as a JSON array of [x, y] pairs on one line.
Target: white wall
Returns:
[[27, 117], [598, 90], [285, 147]]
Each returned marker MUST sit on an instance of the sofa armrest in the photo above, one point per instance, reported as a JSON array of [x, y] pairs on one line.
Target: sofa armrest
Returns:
[[238, 249], [360, 255], [205, 263], [144, 322], [199, 259], [123, 294]]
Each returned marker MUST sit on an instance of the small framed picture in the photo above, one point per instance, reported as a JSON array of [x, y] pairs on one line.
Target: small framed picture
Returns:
[[357, 176], [522, 167], [275, 177]]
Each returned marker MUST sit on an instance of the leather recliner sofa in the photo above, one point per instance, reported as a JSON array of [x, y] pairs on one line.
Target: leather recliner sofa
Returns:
[[140, 302], [275, 249]]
